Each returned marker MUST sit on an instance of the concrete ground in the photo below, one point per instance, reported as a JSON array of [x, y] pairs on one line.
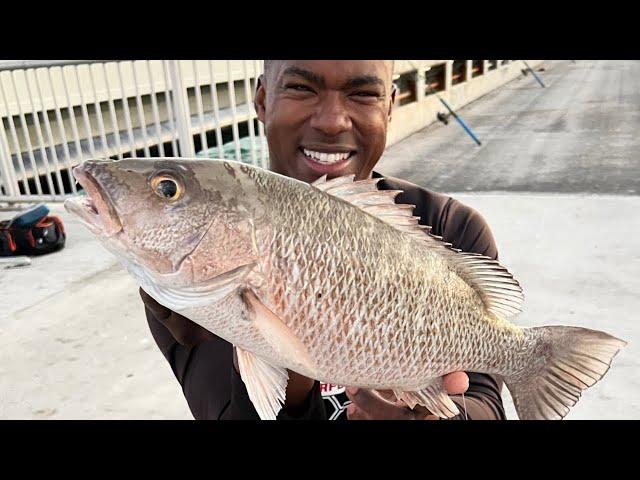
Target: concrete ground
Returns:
[[578, 265], [578, 135], [75, 342], [546, 179]]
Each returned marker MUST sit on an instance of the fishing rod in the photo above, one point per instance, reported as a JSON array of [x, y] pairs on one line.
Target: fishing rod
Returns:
[[459, 119], [442, 117], [534, 74]]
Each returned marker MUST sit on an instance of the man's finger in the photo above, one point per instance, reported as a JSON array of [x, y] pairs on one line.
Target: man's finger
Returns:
[[373, 405], [388, 395], [456, 383], [354, 413]]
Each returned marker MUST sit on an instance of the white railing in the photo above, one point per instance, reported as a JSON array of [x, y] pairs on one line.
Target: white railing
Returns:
[[55, 114]]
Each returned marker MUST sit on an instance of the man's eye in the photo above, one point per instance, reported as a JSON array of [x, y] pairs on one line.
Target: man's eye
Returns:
[[367, 95], [298, 87]]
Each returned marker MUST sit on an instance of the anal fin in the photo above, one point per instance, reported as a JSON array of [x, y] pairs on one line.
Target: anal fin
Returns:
[[266, 384], [433, 397]]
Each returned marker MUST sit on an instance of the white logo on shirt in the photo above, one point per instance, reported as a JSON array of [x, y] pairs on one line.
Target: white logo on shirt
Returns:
[[329, 389]]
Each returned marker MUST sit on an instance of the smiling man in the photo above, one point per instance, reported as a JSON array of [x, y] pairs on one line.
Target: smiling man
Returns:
[[325, 117]]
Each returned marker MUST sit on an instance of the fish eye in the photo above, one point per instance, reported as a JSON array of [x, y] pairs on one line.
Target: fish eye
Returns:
[[166, 187]]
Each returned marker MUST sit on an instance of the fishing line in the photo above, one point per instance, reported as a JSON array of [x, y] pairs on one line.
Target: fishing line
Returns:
[[464, 405]]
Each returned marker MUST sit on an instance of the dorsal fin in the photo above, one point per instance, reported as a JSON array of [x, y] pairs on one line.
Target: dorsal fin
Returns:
[[500, 292], [323, 184]]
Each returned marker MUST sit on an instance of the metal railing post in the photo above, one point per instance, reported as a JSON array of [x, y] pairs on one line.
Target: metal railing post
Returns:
[[6, 167], [181, 109], [421, 74]]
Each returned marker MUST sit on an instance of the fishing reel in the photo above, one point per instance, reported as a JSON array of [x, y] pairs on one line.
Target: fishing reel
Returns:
[[443, 117]]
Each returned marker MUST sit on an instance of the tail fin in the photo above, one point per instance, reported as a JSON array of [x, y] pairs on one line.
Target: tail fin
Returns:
[[570, 360]]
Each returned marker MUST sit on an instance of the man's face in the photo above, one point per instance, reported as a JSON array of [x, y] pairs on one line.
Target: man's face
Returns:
[[326, 117]]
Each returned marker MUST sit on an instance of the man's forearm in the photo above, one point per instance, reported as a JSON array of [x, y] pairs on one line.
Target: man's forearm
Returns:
[[202, 370]]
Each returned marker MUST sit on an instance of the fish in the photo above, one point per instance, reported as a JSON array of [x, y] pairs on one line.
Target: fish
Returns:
[[333, 280]]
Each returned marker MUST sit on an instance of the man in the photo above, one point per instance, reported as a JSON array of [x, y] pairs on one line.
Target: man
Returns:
[[325, 117]]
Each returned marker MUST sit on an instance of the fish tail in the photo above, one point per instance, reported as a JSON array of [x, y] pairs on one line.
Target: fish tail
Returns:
[[561, 363]]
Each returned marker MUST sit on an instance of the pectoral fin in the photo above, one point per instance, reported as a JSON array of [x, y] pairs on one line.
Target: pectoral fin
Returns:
[[278, 335]]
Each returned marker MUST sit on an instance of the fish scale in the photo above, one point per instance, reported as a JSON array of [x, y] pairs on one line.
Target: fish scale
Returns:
[[319, 226]]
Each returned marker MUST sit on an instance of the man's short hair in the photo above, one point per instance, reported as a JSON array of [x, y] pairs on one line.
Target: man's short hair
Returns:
[[269, 64]]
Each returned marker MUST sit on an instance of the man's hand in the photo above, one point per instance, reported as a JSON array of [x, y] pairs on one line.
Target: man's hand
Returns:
[[367, 405], [185, 331]]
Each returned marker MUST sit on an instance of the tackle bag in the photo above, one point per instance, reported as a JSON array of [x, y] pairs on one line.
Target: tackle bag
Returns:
[[7, 243], [32, 232]]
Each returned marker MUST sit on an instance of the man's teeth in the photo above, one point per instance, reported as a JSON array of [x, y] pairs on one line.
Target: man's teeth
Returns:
[[326, 157]]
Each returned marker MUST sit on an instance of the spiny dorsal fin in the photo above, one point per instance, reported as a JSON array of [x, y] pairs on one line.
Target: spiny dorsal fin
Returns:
[[323, 184], [500, 292]]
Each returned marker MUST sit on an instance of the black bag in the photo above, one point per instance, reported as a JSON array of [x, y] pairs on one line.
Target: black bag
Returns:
[[46, 236], [32, 232], [7, 243]]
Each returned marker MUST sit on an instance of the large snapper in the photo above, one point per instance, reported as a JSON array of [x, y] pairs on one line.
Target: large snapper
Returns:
[[332, 280]]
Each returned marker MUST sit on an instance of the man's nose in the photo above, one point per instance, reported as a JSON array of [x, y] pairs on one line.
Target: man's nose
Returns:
[[331, 116]]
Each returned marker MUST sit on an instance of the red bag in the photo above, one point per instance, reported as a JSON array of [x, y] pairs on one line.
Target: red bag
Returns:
[[7, 243]]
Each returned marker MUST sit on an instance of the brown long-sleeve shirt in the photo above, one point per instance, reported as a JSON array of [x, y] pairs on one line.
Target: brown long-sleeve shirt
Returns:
[[214, 390]]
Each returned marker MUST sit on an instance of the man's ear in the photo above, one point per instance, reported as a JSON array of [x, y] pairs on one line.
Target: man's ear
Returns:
[[260, 98], [394, 90]]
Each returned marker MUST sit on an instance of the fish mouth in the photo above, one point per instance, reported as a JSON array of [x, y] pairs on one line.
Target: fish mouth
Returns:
[[95, 210]]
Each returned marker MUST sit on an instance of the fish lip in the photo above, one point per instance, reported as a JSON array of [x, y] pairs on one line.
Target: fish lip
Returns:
[[96, 209]]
